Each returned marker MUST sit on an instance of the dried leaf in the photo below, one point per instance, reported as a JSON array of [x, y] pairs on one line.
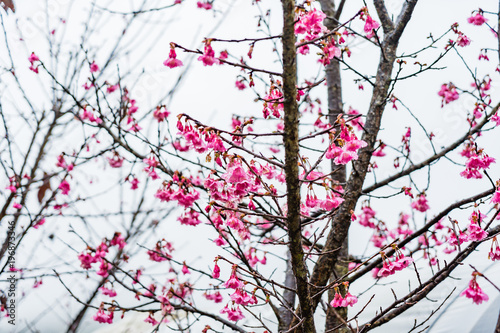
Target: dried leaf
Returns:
[[6, 4], [45, 186]]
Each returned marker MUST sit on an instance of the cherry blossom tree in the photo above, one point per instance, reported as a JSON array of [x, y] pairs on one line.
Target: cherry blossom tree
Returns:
[[300, 212]]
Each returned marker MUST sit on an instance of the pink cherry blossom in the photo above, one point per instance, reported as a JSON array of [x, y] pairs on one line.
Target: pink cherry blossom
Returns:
[[216, 297], [118, 240], [449, 93], [233, 314], [204, 5], [172, 60], [33, 57], [240, 85], [370, 26], [208, 57], [421, 203], [94, 67], [474, 292], [64, 187], [39, 223], [151, 320], [216, 271], [102, 317], [494, 253], [463, 40], [233, 282], [477, 19], [108, 292]]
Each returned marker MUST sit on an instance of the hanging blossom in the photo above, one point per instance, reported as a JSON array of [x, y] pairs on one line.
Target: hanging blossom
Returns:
[[463, 40], [330, 51], [208, 57], [172, 60], [343, 301], [204, 5], [496, 196], [233, 313], [356, 122], [421, 203], [366, 218], [90, 116], [455, 238], [477, 160], [115, 161], [448, 93], [103, 317], [474, 292], [494, 253], [162, 251], [390, 267], [310, 24], [477, 19], [64, 187], [370, 24], [94, 68], [33, 58], [476, 233], [348, 145], [273, 102]]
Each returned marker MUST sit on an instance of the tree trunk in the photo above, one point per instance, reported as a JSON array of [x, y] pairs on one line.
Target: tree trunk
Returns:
[[291, 143]]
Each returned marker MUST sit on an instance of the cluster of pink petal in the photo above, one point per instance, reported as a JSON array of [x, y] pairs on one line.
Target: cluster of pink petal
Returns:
[[356, 122], [311, 25], [347, 152], [94, 68], [366, 218], [448, 93], [370, 26], [463, 40], [161, 252], [32, 59], [161, 113], [234, 282], [64, 187], [453, 240], [118, 240], [184, 196], [190, 217], [273, 103], [216, 297], [475, 163], [339, 301], [477, 19], [496, 118], [104, 318], [151, 163], [476, 233], [172, 60], [90, 116], [251, 256], [204, 5], [330, 51], [391, 267], [474, 292], [421, 203], [494, 254], [199, 139], [108, 292], [39, 223], [62, 163], [208, 57], [241, 297], [233, 313], [115, 161]]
